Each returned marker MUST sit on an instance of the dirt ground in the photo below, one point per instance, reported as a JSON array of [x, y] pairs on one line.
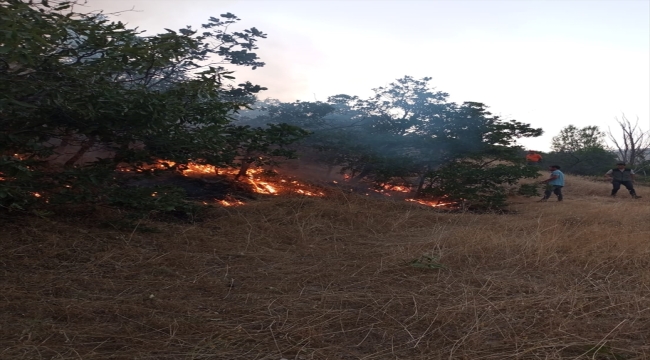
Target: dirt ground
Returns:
[[341, 277]]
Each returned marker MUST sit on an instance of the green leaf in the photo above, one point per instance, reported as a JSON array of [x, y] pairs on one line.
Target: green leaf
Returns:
[[23, 104]]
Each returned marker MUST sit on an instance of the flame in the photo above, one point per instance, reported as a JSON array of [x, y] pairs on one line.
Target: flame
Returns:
[[253, 177], [431, 203], [231, 202], [309, 193], [39, 196], [399, 191], [397, 188], [262, 186]]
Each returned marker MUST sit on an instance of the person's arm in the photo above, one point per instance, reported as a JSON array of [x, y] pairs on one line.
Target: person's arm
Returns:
[[632, 175], [553, 177], [608, 175]]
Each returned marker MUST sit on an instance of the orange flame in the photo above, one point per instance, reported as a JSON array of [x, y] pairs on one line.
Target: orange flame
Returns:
[[432, 203], [231, 202], [397, 188], [253, 177], [280, 186], [263, 186]]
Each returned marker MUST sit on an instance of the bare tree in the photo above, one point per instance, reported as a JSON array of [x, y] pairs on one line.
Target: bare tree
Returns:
[[633, 145]]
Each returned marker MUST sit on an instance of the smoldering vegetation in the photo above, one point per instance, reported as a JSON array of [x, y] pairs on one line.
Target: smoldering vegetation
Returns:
[[406, 134]]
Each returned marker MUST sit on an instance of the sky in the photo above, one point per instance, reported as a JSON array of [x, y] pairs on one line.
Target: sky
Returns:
[[549, 63]]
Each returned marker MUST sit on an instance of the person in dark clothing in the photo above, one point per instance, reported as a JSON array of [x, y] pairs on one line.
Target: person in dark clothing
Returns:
[[622, 176]]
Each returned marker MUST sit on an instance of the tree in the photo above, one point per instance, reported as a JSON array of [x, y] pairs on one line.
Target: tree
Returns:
[[409, 133], [572, 139], [73, 78], [633, 144], [581, 151]]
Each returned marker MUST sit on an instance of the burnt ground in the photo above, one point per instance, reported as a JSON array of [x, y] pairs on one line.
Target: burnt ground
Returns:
[[205, 188]]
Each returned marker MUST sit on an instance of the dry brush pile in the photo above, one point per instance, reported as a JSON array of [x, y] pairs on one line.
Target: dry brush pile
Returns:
[[343, 277]]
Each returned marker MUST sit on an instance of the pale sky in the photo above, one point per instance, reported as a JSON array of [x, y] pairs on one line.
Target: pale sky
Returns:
[[549, 63]]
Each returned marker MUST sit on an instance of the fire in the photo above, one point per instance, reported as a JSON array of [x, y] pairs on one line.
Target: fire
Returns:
[[193, 168], [401, 191], [388, 188], [397, 188], [231, 202], [270, 186], [431, 203], [309, 193], [262, 187], [266, 185], [41, 197], [254, 177]]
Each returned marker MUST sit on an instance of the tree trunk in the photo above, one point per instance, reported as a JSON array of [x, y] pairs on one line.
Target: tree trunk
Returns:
[[243, 169], [421, 180], [361, 175], [85, 146], [420, 184]]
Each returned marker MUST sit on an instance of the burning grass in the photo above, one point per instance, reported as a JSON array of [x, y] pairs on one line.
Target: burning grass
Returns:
[[339, 277], [260, 181], [257, 181], [269, 183]]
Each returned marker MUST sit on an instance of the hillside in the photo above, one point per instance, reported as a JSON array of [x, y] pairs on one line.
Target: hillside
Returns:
[[341, 277]]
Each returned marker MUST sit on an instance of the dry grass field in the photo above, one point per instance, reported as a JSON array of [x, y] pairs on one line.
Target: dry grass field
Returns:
[[342, 277]]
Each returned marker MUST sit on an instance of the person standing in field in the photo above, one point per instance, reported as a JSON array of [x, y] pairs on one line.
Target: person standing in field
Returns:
[[533, 158], [554, 184], [622, 176]]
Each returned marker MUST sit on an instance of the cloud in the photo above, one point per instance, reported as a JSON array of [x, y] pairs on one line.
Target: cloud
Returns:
[[155, 15]]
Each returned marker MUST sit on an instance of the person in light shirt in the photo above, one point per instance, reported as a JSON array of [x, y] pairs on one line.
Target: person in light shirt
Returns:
[[622, 176], [554, 184]]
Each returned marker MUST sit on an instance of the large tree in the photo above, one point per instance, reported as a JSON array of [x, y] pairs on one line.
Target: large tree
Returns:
[[69, 78], [581, 151], [573, 139], [410, 133]]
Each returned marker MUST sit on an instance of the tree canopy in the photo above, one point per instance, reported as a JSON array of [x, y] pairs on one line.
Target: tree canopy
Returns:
[[573, 139], [408, 130], [581, 151], [69, 78]]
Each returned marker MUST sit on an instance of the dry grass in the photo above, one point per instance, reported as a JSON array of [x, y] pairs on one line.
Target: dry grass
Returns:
[[309, 278]]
